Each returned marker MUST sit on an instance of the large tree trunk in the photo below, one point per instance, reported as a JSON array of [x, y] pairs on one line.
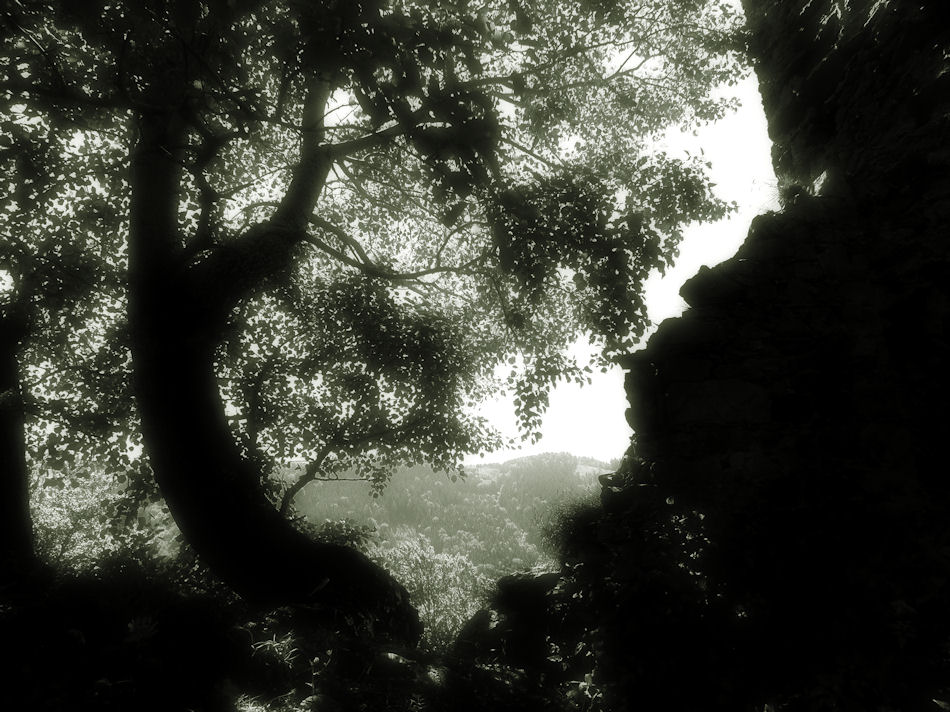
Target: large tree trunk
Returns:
[[16, 528], [177, 315]]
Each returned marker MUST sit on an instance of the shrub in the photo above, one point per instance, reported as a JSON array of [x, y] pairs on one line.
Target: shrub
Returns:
[[85, 517], [447, 588]]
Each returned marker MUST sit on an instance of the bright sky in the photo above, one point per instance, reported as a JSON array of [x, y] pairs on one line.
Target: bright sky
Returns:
[[590, 421]]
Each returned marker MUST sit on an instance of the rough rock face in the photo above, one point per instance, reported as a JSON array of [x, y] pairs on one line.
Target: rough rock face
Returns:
[[787, 495], [778, 537], [854, 88]]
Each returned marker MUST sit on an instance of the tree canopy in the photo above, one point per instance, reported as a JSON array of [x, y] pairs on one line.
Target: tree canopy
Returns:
[[491, 163], [336, 226]]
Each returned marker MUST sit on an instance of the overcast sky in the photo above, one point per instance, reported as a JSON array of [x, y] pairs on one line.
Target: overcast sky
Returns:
[[590, 420]]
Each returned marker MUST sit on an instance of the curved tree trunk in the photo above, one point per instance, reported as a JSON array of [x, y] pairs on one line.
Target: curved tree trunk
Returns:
[[177, 315]]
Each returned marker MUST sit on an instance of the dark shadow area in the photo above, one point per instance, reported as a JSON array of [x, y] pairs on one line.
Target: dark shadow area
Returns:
[[779, 535]]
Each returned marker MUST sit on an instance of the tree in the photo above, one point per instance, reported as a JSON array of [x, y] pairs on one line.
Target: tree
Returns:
[[364, 209], [61, 298]]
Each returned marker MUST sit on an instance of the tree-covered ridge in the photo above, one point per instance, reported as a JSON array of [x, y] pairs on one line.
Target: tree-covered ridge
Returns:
[[449, 541], [498, 515]]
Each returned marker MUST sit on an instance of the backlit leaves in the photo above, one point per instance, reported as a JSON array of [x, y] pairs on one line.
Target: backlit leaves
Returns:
[[494, 195], [348, 374]]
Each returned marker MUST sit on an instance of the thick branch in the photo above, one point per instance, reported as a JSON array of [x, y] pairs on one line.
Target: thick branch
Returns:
[[351, 242], [356, 145], [372, 269], [534, 154], [155, 179], [311, 172], [239, 268], [364, 263], [66, 96]]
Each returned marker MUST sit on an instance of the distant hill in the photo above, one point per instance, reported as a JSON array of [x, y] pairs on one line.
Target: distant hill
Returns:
[[496, 515], [446, 541], [583, 465]]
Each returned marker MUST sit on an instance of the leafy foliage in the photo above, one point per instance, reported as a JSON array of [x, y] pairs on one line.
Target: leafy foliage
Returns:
[[79, 523], [62, 254], [346, 378], [335, 228], [447, 588], [474, 153]]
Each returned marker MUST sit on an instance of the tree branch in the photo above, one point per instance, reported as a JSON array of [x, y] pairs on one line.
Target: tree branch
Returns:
[[356, 145], [364, 263], [356, 183], [155, 178], [374, 270], [312, 471], [64, 94], [527, 151], [367, 268], [238, 268], [310, 474], [311, 172], [351, 242]]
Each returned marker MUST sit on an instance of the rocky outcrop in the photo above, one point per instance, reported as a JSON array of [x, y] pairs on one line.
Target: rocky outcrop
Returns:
[[856, 89], [784, 514], [778, 536]]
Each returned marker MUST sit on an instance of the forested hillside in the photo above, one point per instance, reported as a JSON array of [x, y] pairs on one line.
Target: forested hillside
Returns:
[[448, 539]]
